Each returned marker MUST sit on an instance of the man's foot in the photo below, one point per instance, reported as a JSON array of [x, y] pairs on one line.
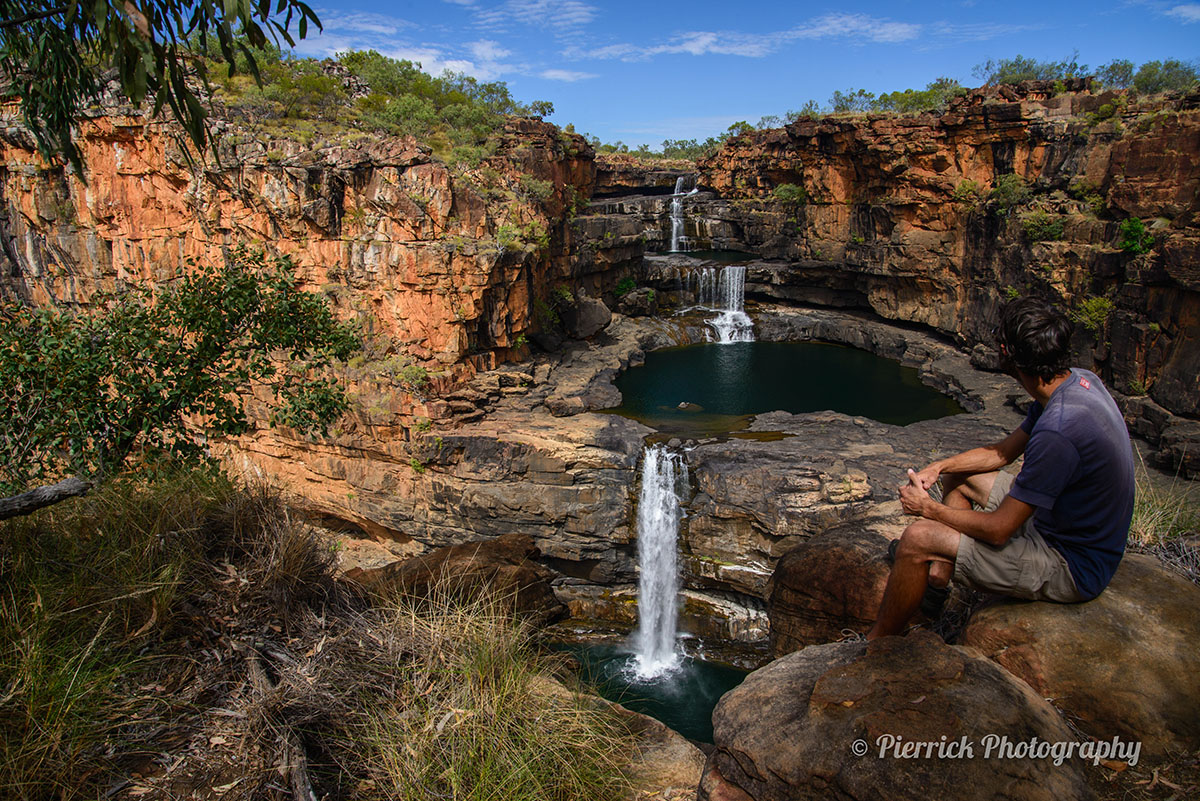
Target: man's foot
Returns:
[[935, 597]]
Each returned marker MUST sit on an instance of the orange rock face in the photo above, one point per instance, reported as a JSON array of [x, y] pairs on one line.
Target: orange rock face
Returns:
[[900, 218], [439, 264]]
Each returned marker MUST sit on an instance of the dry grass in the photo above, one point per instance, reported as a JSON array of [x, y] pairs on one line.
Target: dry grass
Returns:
[[1166, 522], [183, 638]]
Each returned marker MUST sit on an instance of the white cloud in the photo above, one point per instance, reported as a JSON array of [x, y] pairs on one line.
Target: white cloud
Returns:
[[855, 26], [362, 22], [1188, 12], [569, 76], [560, 16], [858, 27], [432, 60], [979, 31], [487, 50]]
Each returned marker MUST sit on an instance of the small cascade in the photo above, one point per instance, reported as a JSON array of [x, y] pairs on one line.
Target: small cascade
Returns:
[[659, 513], [685, 186], [723, 289]]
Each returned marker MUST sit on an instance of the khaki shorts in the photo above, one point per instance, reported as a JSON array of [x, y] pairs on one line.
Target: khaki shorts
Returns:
[[1024, 567]]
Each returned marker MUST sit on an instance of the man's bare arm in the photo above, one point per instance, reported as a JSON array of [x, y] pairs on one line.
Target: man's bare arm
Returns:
[[993, 528], [977, 460]]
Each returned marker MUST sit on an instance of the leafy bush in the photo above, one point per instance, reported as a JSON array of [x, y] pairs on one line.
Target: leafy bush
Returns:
[[538, 190], [1093, 313], [791, 194], [88, 391], [1021, 68], [624, 287], [1132, 236], [935, 95], [1171, 75], [1009, 191], [1089, 194], [967, 191], [1116, 74], [1041, 226]]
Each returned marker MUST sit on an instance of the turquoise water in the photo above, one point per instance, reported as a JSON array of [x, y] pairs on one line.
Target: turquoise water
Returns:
[[683, 699], [699, 390]]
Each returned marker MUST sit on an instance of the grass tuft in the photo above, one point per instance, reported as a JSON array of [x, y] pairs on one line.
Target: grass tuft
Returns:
[[176, 635], [1166, 523]]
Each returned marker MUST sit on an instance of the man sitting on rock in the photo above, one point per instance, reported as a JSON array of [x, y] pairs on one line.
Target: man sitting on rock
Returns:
[[1056, 531]]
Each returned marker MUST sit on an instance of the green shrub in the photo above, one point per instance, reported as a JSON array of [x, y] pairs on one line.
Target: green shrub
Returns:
[[1041, 226], [967, 191], [1093, 313], [791, 194], [413, 376], [1132, 236], [1009, 191], [1022, 68], [538, 190], [1170, 75], [1089, 194], [624, 287], [1011, 292]]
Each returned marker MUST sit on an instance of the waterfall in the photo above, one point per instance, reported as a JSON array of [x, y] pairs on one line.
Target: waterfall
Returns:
[[659, 513], [679, 242], [724, 291]]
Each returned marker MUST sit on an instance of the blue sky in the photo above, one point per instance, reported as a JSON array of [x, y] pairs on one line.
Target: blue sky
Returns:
[[641, 72]]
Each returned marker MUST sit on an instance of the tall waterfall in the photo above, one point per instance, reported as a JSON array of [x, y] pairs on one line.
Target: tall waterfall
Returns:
[[724, 290], [679, 242], [659, 513]]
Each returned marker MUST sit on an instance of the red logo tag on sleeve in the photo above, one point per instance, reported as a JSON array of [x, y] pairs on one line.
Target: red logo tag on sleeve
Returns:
[[1083, 382]]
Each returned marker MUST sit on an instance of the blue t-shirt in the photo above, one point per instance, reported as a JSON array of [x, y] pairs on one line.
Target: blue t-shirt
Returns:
[[1078, 472]]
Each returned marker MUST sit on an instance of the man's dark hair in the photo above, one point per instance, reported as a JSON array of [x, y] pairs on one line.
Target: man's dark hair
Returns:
[[1037, 337]]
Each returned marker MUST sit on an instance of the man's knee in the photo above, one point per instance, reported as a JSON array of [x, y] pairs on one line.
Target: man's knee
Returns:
[[924, 540], [918, 541]]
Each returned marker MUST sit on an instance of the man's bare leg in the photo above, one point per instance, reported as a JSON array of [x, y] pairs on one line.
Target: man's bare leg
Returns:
[[959, 491], [923, 543]]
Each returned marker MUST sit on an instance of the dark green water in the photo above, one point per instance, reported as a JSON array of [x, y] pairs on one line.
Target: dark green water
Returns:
[[683, 699], [722, 386]]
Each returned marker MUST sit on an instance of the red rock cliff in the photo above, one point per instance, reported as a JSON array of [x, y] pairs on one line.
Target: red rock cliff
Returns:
[[897, 218]]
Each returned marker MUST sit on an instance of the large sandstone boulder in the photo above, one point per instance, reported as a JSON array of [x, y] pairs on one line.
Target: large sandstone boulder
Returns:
[[830, 583], [811, 724], [1126, 664], [504, 565], [585, 317]]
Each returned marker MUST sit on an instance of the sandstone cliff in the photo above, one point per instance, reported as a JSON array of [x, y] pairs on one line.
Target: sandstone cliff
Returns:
[[896, 218]]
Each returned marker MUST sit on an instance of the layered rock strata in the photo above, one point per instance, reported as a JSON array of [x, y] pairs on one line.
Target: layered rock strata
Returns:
[[896, 216]]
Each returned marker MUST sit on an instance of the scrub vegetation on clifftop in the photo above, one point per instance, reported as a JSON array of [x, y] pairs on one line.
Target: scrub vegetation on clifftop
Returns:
[[176, 635], [1152, 77], [368, 92]]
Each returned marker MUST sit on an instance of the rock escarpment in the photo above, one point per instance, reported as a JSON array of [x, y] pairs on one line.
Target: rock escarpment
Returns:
[[896, 216]]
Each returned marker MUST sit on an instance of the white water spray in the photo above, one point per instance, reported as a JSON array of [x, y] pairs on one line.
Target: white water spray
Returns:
[[724, 290], [679, 242], [659, 513]]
